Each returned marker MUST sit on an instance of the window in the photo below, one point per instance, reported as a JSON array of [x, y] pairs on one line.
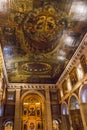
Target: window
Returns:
[[10, 96], [80, 72], [69, 84], [61, 93]]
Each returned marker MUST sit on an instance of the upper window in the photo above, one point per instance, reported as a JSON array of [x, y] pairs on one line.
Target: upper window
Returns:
[[10, 96], [69, 84], [80, 72]]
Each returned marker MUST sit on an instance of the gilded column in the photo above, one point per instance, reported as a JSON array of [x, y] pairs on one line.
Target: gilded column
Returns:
[[71, 128], [48, 111], [17, 111]]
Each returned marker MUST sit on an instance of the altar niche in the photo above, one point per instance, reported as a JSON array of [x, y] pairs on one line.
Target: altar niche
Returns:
[[32, 113]]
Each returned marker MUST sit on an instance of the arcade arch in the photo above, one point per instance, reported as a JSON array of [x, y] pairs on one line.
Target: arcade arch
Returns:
[[74, 111]]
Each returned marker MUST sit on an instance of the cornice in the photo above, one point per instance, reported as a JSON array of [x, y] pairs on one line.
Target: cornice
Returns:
[[31, 86]]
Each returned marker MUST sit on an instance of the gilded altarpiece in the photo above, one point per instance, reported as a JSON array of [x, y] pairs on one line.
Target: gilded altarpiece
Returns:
[[32, 114]]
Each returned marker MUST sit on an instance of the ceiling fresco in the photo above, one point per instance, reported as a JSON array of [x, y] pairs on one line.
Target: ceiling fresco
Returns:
[[39, 37]]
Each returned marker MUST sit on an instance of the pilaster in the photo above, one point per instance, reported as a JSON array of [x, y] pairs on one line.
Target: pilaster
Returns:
[[48, 108], [17, 111]]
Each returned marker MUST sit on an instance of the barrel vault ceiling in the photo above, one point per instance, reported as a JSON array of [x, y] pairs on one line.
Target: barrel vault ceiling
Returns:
[[39, 37]]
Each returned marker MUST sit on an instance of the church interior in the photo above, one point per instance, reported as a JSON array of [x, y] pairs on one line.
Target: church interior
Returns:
[[43, 64]]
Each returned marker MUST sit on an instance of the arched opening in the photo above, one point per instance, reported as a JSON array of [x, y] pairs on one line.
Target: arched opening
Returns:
[[65, 117], [83, 94], [32, 112], [8, 125], [75, 114], [83, 97], [55, 125]]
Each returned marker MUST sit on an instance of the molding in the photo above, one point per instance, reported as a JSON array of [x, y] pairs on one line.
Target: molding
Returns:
[[31, 86]]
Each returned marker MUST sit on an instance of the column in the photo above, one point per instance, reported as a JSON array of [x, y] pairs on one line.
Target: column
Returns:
[[48, 110], [71, 128], [65, 122], [17, 120]]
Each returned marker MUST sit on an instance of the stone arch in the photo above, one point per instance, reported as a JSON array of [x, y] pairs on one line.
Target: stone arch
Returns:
[[75, 113], [83, 94], [55, 125], [8, 124], [34, 99], [33, 91], [73, 102]]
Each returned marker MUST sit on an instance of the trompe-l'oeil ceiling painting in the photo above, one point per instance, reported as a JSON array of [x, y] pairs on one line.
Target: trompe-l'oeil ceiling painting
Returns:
[[38, 37]]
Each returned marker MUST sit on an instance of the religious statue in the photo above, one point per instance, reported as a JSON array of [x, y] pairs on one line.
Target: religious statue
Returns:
[[31, 126]]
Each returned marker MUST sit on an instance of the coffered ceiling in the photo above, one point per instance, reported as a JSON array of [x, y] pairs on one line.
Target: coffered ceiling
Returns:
[[39, 37]]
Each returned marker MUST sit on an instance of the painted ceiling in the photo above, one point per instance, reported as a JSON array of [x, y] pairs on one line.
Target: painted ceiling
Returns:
[[39, 37]]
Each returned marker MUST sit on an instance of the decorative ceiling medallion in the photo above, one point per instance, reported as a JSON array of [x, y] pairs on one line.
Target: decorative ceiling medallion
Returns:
[[35, 68], [43, 27], [37, 29]]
